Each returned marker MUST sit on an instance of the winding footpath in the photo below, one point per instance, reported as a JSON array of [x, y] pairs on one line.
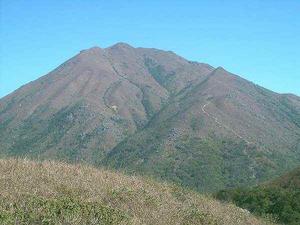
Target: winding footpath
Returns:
[[114, 83], [220, 124]]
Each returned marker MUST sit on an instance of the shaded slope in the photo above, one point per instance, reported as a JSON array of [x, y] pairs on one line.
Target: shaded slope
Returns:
[[279, 198], [289, 181]]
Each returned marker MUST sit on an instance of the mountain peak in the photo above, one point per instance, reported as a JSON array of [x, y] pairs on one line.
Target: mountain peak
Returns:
[[121, 45], [220, 69], [91, 50]]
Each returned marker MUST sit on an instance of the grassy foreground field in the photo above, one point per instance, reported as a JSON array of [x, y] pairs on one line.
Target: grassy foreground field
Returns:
[[58, 193]]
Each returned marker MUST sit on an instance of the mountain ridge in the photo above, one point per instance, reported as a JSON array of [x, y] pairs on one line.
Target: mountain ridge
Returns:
[[149, 110]]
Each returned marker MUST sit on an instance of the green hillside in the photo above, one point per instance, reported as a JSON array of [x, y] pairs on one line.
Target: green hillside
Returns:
[[279, 198], [209, 139]]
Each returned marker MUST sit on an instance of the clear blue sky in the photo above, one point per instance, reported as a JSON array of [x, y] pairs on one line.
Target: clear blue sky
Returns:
[[257, 39]]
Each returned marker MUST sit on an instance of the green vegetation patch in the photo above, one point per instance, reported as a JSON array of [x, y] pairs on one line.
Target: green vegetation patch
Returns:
[[284, 205], [64, 210], [195, 216], [159, 73], [203, 164]]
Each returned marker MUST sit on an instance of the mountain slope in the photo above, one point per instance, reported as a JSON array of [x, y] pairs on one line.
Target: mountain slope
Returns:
[[289, 181], [279, 197], [151, 111], [58, 193], [90, 103], [219, 132]]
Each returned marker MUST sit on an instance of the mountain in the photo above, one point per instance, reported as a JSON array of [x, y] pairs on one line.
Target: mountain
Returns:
[[91, 102], [279, 197], [58, 193], [153, 112]]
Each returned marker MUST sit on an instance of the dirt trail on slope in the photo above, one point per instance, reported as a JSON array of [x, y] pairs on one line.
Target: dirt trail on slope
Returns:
[[118, 81], [223, 125]]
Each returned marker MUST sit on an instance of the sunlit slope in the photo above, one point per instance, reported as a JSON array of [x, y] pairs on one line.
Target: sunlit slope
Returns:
[[58, 193]]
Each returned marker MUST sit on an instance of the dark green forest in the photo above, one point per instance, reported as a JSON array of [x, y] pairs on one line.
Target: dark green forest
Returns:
[[279, 199]]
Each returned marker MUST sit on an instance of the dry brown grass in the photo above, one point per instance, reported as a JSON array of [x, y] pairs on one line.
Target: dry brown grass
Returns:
[[142, 200]]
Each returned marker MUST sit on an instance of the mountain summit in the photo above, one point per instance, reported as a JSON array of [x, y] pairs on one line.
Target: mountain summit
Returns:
[[154, 112]]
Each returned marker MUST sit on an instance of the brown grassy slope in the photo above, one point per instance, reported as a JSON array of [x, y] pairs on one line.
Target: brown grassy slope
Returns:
[[130, 200], [91, 102]]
